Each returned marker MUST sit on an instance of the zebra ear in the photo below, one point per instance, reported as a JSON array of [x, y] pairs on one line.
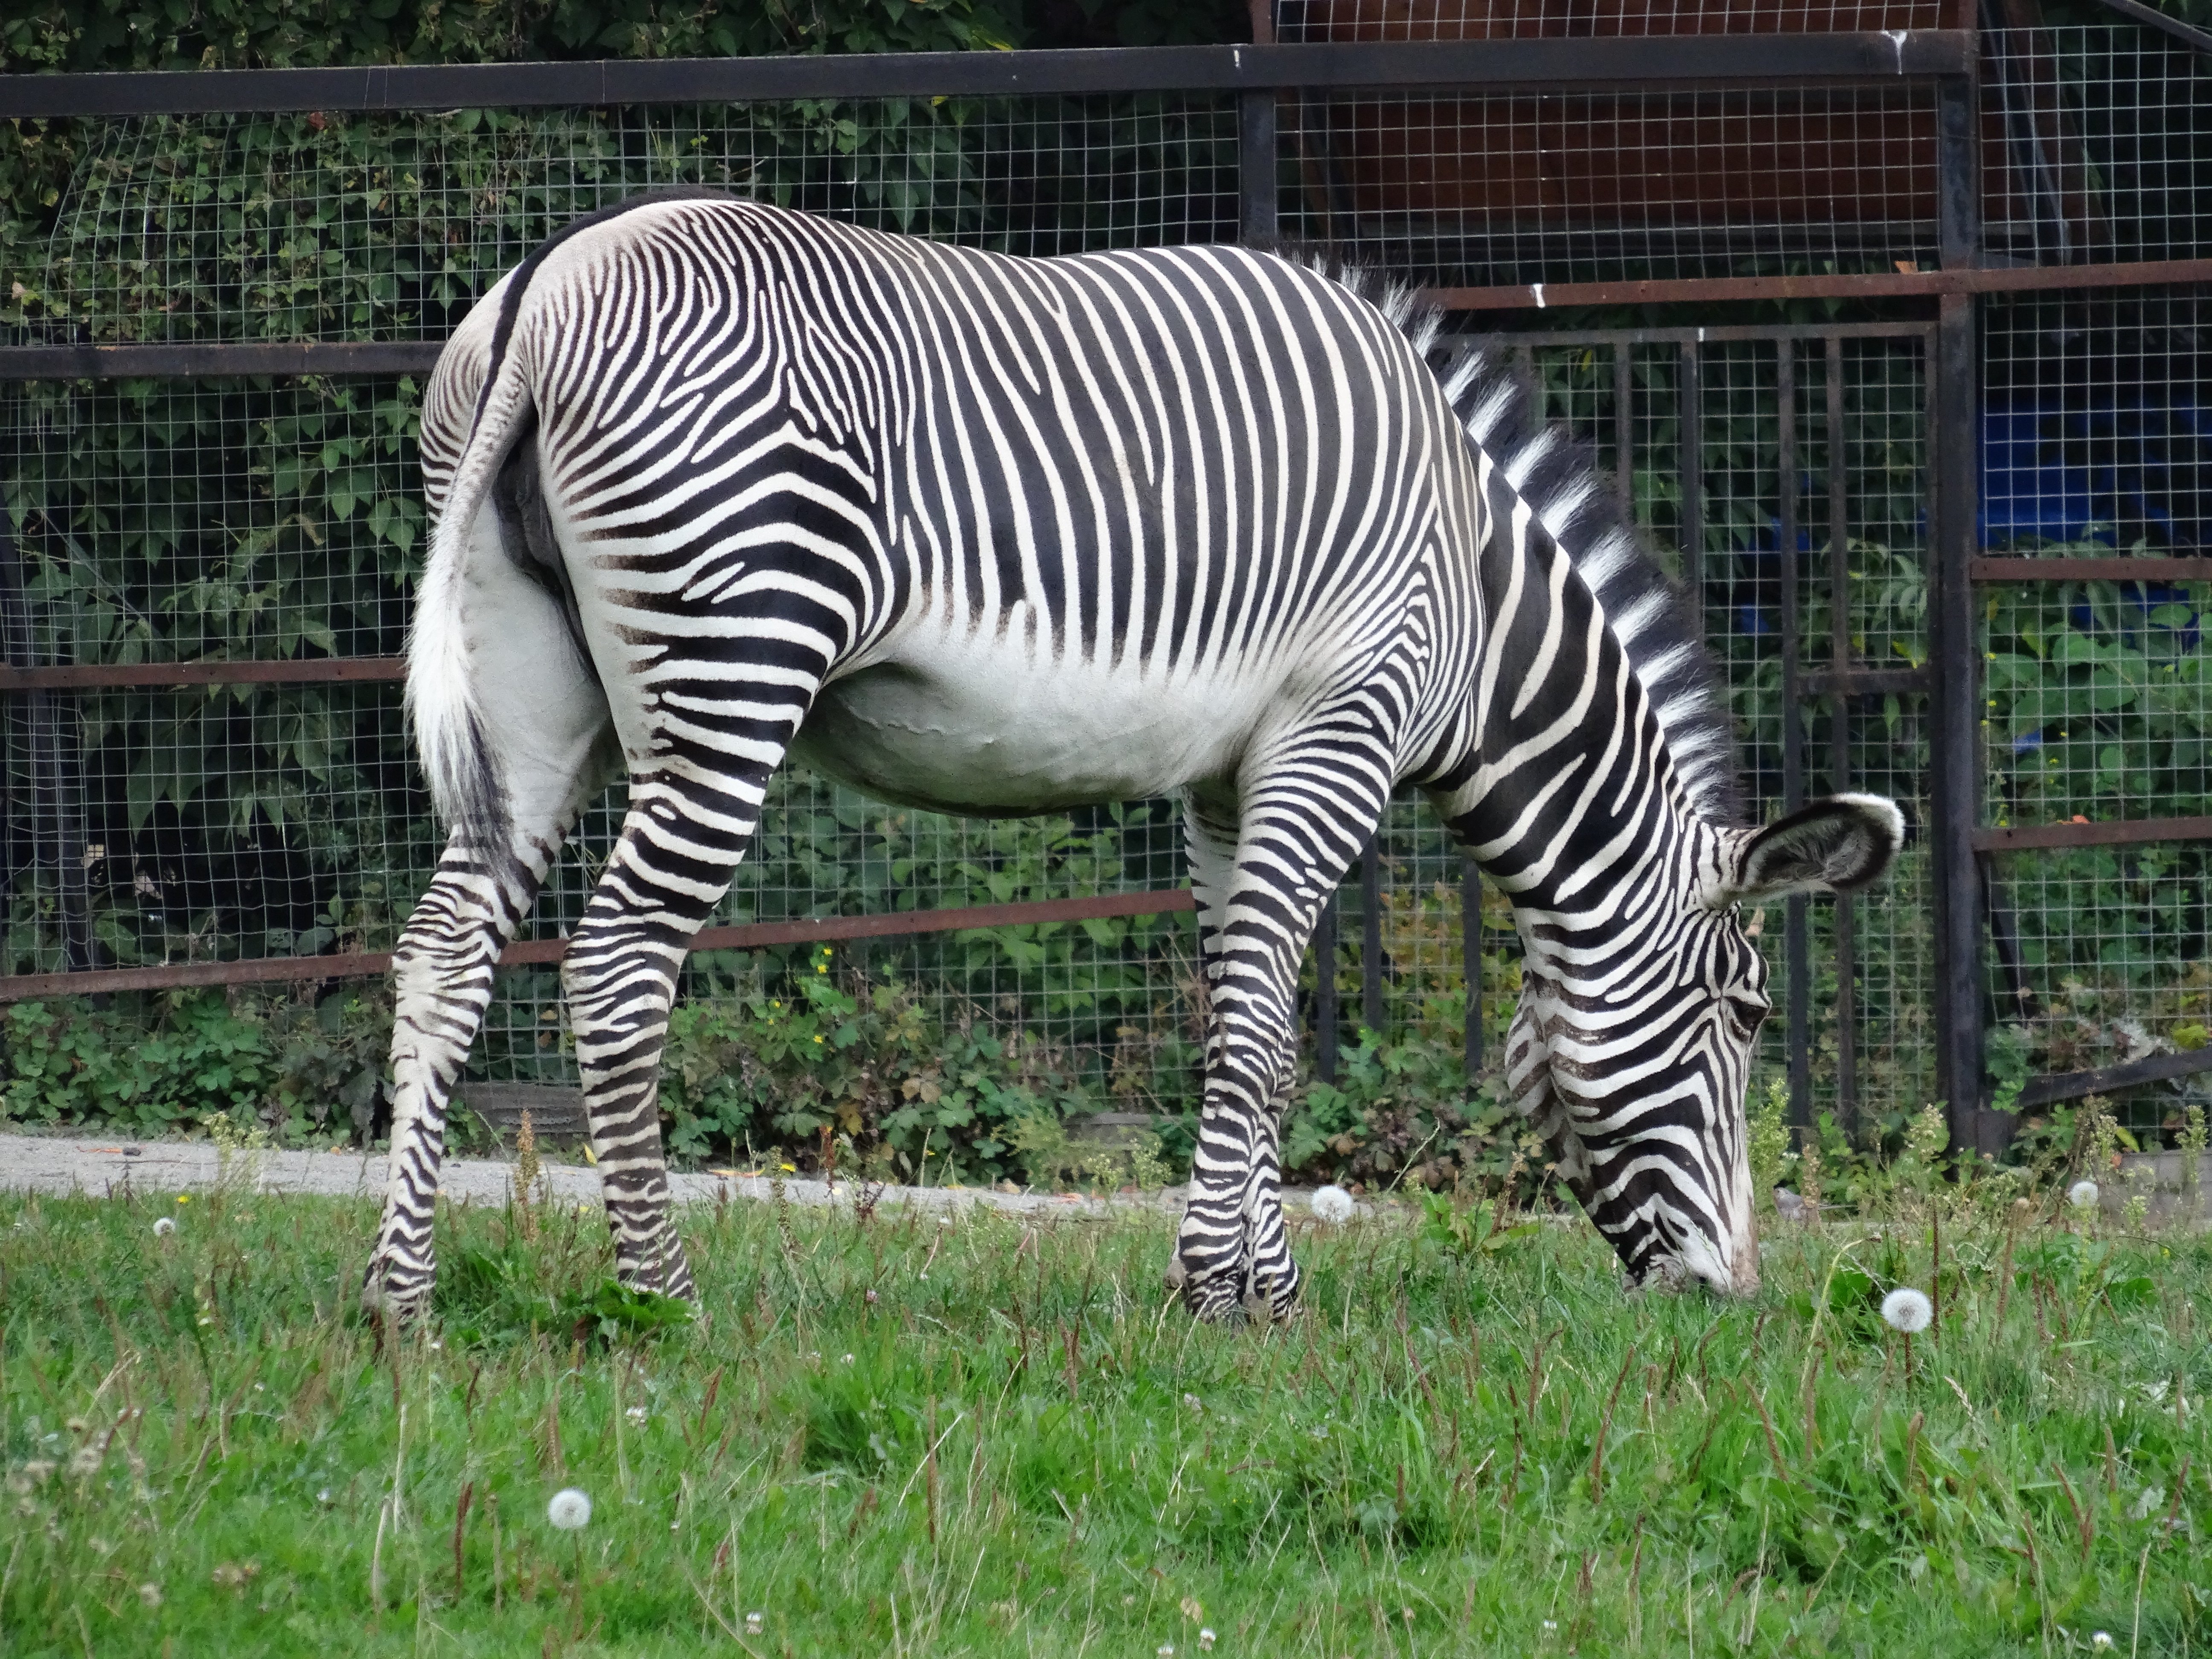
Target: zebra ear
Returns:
[[1831, 846]]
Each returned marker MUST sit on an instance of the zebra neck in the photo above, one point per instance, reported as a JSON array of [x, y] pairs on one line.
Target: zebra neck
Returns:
[[1566, 795]]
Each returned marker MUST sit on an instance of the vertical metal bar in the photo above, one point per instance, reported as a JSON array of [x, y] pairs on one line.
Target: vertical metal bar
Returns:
[[1370, 935], [1470, 942], [1325, 1012], [1796, 946], [1839, 735], [1954, 707], [1531, 388], [1257, 203], [1624, 430], [59, 837], [2004, 938], [1691, 445]]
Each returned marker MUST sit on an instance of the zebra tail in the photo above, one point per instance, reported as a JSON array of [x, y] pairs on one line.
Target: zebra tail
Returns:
[[443, 705]]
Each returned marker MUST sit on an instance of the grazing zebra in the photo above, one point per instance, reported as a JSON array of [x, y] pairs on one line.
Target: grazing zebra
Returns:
[[718, 484]]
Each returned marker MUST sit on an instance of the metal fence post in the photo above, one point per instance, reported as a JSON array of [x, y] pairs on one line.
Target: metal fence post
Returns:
[[1370, 935], [1470, 940], [1325, 1015], [1690, 447], [1839, 750], [1796, 949], [1955, 793], [1257, 172]]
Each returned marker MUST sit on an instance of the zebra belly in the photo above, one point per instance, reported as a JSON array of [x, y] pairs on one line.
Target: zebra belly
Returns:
[[993, 733]]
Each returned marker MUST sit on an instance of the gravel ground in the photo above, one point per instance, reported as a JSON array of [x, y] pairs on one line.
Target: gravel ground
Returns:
[[55, 1164]]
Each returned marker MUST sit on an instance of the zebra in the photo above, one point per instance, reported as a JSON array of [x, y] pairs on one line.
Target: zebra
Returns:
[[717, 485]]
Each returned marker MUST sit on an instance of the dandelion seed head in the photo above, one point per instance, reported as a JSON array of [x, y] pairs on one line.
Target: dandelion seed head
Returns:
[[1206, 1641], [756, 1623], [636, 1414], [151, 1595], [2082, 1194], [1907, 1311], [1332, 1204], [844, 1359], [570, 1509], [1165, 1650], [2101, 1640], [163, 1226]]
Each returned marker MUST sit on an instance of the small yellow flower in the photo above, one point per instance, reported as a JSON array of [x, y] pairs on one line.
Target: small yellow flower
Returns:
[[184, 1198], [817, 1039]]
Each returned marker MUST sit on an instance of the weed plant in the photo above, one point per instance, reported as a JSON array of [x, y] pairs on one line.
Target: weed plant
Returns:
[[894, 1433]]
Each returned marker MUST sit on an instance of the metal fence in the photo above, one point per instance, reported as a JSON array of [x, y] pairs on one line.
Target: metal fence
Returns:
[[1954, 555]]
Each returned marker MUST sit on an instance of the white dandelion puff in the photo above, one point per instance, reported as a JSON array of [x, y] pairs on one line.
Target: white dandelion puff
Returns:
[[1907, 1311], [844, 1359], [756, 1623], [164, 1225], [1165, 1650], [2082, 1194], [1206, 1641], [151, 1595], [1332, 1204], [636, 1413], [570, 1509], [2101, 1640]]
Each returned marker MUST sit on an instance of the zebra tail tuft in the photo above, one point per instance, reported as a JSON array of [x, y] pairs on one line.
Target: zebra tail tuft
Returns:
[[442, 708]]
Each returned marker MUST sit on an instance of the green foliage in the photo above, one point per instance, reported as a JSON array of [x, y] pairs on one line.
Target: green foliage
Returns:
[[560, 1285], [302, 1068], [1400, 1112]]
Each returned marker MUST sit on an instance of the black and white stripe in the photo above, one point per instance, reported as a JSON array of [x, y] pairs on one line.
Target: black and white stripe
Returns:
[[717, 484]]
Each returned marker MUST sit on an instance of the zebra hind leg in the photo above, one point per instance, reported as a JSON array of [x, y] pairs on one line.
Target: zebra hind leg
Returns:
[[1313, 815], [680, 844]]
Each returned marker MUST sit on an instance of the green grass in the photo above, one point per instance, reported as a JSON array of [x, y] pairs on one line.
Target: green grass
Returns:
[[1486, 1451]]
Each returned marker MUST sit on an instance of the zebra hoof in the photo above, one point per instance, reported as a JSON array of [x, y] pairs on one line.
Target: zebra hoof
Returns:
[[1178, 1275], [388, 1299]]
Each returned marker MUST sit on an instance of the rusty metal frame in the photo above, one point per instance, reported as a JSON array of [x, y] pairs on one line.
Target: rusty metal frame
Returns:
[[1256, 74], [750, 936]]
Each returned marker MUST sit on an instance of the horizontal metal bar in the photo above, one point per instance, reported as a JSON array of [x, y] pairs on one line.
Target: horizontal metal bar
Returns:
[[2089, 570], [1690, 335], [306, 670], [1764, 58], [338, 359], [2122, 833], [2072, 1085], [268, 970], [1864, 682], [1866, 285]]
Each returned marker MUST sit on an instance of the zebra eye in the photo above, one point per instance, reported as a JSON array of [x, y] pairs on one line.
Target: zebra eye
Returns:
[[1744, 1019]]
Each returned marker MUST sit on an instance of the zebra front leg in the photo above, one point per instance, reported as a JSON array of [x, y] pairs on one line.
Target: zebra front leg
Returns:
[[1231, 1252]]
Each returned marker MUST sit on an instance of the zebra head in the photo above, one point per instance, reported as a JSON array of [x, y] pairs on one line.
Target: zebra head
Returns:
[[1632, 1058]]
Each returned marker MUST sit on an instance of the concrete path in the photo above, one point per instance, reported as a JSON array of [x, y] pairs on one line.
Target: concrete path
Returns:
[[104, 1168]]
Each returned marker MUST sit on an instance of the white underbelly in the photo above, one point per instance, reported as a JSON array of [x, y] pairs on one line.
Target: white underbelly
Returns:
[[980, 725]]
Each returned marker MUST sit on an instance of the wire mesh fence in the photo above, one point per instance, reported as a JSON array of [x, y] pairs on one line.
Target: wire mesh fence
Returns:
[[1783, 474]]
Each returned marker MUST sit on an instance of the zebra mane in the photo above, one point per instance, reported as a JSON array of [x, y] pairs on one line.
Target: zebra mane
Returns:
[[1656, 622]]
